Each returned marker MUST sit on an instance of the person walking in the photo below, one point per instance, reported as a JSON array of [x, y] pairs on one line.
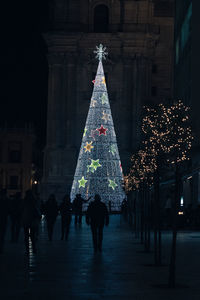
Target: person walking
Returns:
[[66, 215], [30, 219], [4, 211], [51, 212], [97, 216], [77, 207]]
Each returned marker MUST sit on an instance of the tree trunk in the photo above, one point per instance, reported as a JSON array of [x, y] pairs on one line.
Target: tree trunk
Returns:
[[142, 217], [172, 266], [157, 229], [137, 220], [146, 222], [155, 246]]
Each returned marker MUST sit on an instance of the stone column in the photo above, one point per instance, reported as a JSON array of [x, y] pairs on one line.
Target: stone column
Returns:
[[56, 95], [122, 13], [140, 93], [126, 104], [56, 119], [71, 101]]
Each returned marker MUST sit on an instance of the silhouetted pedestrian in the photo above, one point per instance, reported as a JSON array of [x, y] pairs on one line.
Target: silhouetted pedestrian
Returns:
[[51, 212], [15, 216], [189, 215], [30, 219], [4, 210], [110, 206], [168, 212], [42, 207], [124, 208], [66, 215], [39, 203], [97, 216], [77, 207]]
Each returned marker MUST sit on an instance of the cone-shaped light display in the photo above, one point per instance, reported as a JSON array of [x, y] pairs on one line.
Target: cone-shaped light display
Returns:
[[99, 169]]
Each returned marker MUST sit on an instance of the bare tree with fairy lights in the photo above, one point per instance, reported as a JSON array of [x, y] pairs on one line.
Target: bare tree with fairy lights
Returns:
[[168, 135], [140, 178]]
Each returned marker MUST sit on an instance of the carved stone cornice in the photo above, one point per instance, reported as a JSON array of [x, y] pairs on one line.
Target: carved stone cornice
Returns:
[[58, 58]]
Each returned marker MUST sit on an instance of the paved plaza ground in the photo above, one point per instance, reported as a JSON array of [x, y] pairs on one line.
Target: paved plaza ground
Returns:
[[70, 270]]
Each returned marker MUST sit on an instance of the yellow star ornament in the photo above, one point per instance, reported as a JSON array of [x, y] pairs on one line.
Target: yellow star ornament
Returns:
[[105, 117], [88, 147], [103, 80], [93, 103]]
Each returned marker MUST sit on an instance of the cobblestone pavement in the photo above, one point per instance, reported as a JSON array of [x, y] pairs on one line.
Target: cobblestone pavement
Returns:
[[70, 270]]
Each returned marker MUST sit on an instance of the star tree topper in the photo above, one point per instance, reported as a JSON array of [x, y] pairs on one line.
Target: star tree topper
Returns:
[[101, 52]]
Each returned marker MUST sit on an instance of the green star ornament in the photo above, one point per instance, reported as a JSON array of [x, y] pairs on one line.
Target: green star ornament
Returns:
[[85, 130], [112, 184], [95, 164], [113, 149], [90, 168], [82, 182], [104, 99]]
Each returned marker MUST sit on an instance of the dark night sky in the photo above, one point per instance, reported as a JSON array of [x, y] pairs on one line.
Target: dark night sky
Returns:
[[24, 69]]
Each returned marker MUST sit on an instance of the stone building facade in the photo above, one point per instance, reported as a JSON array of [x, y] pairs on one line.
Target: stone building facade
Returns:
[[139, 39], [186, 86], [16, 159]]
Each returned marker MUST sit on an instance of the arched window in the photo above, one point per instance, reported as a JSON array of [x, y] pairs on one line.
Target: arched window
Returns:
[[101, 18]]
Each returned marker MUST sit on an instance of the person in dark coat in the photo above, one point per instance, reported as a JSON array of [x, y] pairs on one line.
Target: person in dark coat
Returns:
[[66, 215], [30, 219], [51, 212], [15, 216], [4, 211], [124, 208], [97, 216], [77, 207]]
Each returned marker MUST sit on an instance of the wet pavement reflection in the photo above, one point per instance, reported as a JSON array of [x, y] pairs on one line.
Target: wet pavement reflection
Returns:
[[71, 270]]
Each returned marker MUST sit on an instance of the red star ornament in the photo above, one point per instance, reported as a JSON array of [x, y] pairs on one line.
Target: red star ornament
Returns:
[[93, 81], [120, 165], [102, 130]]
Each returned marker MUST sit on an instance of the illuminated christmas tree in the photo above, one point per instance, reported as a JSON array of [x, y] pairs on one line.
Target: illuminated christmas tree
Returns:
[[99, 169]]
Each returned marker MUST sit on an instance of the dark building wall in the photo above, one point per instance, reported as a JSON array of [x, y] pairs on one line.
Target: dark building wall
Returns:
[[138, 71], [16, 159], [195, 69], [187, 65], [183, 40]]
